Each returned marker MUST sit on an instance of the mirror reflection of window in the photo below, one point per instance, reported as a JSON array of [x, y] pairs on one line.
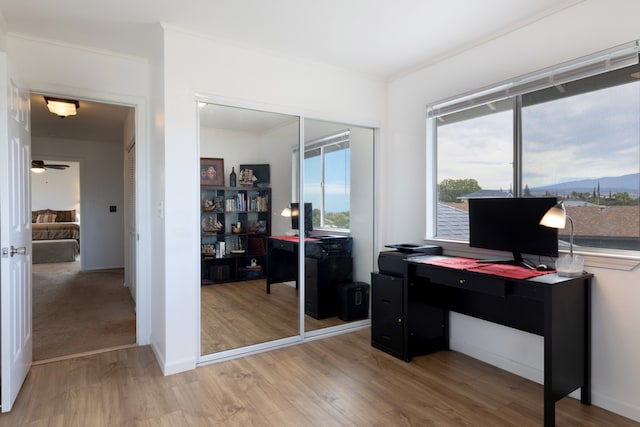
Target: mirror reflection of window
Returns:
[[338, 182], [327, 173]]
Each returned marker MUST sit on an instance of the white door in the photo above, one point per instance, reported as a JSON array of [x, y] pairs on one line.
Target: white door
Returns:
[[131, 234], [15, 235]]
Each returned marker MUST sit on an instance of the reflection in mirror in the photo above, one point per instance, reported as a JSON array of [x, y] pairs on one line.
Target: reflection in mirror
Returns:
[[338, 189], [238, 220]]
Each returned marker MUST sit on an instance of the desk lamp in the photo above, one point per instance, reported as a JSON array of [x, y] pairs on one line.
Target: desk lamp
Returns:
[[286, 212], [567, 265]]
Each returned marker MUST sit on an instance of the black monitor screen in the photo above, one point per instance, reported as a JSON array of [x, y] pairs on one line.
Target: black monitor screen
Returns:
[[308, 217], [512, 224]]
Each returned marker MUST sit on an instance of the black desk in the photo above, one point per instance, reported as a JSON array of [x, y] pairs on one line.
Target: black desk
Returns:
[[328, 263], [559, 309]]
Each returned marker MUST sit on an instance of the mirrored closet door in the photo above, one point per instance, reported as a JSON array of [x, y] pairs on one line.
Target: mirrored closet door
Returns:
[[260, 208], [247, 176], [338, 191]]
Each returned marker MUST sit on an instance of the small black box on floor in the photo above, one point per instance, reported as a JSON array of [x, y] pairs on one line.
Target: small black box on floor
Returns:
[[354, 301]]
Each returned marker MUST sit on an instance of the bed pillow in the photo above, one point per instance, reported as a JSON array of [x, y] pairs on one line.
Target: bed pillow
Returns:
[[46, 218], [60, 216], [34, 214], [65, 216]]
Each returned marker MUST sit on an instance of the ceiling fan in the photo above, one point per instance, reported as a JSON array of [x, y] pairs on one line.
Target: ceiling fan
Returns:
[[39, 166]]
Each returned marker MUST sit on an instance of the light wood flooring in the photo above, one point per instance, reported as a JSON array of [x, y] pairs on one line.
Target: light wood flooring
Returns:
[[242, 313], [337, 381]]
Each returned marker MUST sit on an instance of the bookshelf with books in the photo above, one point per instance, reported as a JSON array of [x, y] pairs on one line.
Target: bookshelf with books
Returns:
[[235, 223]]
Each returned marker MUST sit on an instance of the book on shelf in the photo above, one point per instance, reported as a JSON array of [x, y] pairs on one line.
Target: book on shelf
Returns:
[[259, 204], [220, 249]]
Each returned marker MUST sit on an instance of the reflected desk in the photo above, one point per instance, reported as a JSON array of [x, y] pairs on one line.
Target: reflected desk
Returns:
[[327, 263], [557, 308]]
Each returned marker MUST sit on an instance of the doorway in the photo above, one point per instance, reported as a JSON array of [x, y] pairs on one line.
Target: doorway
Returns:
[[88, 296]]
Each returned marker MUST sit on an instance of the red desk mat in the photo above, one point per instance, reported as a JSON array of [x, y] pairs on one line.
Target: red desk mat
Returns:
[[293, 238], [502, 270]]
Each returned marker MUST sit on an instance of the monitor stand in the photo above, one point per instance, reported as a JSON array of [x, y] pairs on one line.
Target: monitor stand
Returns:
[[517, 260]]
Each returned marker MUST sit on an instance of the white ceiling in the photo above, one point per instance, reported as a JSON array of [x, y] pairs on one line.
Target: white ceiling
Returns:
[[382, 38], [378, 37]]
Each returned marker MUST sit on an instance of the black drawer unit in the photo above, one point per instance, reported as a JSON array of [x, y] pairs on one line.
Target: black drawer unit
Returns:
[[387, 322], [322, 278], [388, 288]]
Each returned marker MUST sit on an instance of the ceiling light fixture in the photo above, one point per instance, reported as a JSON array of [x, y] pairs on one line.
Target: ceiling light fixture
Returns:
[[636, 75], [62, 107], [37, 166]]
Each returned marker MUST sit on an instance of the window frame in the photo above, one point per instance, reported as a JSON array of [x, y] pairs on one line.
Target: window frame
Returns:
[[598, 63], [322, 143]]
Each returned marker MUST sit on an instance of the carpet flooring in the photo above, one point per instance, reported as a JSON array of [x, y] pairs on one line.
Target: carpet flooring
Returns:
[[78, 311]]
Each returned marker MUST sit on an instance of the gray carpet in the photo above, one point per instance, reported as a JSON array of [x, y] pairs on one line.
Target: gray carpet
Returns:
[[79, 311]]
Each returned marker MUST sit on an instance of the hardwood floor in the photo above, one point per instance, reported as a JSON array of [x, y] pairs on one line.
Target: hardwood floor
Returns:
[[238, 314], [338, 381]]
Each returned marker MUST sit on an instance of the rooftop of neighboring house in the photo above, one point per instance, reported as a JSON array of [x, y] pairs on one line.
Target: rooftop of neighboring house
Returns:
[[589, 220]]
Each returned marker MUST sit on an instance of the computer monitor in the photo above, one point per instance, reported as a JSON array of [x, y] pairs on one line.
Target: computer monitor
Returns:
[[308, 217], [513, 224]]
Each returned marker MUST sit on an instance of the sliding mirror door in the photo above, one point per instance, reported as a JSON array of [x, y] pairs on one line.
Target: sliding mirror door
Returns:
[[247, 176], [338, 191]]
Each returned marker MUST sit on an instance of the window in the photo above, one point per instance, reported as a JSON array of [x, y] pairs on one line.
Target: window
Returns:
[[572, 132], [327, 180]]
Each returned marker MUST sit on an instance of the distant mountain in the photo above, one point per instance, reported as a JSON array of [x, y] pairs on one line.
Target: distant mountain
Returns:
[[615, 184]]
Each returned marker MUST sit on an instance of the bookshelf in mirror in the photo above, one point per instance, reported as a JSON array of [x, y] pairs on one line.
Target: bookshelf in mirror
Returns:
[[235, 223]]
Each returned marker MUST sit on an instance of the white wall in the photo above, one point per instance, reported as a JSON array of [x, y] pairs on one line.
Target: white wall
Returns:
[[101, 186], [250, 78], [277, 149], [362, 203], [585, 28], [56, 189]]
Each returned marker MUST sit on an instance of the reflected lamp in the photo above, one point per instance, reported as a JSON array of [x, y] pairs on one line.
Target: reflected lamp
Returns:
[[286, 212], [567, 265]]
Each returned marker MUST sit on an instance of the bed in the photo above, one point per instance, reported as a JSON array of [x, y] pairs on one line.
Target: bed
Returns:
[[55, 236]]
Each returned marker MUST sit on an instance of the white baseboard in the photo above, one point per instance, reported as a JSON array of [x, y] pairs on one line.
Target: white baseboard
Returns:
[[174, 367]]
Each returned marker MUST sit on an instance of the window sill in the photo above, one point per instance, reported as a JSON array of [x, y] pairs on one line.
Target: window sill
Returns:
[[331, 231]]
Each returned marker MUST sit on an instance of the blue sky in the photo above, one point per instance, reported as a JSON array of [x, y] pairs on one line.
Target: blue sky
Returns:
[[337, 181]]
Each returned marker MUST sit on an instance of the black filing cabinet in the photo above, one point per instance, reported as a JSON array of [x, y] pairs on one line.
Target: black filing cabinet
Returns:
[[322, 278], [387, 322], [388, 295]]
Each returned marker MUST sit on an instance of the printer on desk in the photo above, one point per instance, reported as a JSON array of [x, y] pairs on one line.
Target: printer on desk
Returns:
[[387, 303], [391, 262]]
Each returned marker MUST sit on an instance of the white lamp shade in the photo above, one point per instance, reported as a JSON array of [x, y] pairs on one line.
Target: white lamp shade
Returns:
[[556, 217]]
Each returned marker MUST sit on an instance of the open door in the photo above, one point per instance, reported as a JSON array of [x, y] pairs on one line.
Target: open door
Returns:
[[15, 235]]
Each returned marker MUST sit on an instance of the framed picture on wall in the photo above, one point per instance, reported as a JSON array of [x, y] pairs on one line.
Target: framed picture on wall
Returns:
[[255, 175], [211, 171]]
